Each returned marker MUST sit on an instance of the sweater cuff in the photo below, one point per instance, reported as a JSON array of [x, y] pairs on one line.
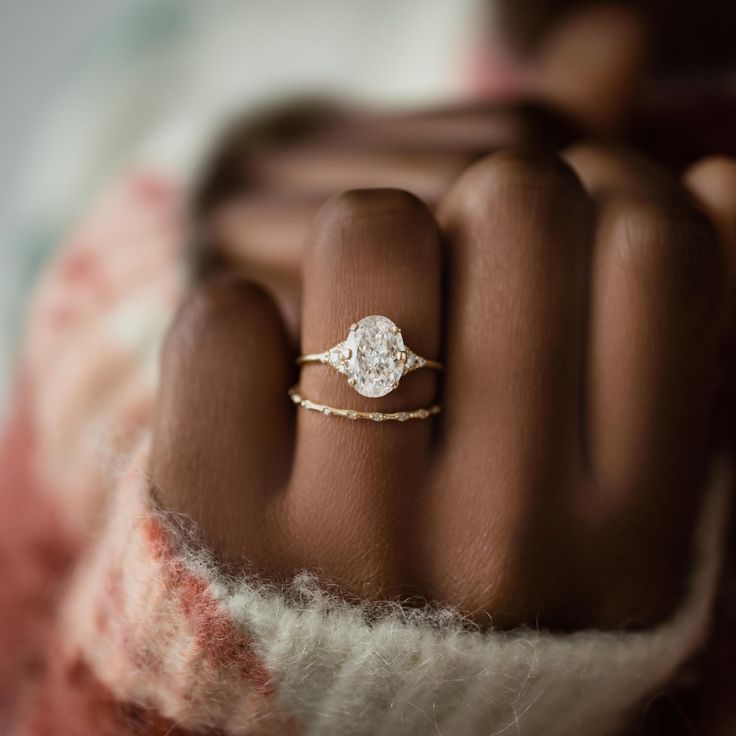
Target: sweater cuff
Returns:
[[158, 626]]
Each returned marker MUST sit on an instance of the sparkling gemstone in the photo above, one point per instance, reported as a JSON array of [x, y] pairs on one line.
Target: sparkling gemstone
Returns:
[[375, 363]]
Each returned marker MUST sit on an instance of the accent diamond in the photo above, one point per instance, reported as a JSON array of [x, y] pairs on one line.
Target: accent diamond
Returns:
[[375, 362]]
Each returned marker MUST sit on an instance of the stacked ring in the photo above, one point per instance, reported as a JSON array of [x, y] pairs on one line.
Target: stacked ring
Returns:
[[374, 358]]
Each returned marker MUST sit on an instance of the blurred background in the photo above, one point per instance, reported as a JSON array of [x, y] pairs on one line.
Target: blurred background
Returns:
[[89, 86], [41, 43]]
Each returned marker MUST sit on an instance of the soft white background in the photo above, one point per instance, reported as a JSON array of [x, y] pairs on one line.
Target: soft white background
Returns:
[[40, 42], [87, 86]]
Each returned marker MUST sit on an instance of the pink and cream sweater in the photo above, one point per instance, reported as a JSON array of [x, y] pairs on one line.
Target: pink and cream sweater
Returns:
[[115, 621]]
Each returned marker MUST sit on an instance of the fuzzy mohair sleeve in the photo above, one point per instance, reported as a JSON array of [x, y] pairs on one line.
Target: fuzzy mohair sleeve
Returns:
[[158, 639], [143, 633]]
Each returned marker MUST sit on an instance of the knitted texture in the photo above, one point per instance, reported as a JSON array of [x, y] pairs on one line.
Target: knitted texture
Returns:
[[162, 626], [152, 637]]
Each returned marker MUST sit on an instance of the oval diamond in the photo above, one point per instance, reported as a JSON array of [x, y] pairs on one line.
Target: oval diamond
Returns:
[[375, 366]]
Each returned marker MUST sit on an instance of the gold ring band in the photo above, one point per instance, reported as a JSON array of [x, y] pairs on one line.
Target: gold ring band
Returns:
[[325, 358], [375, 416]]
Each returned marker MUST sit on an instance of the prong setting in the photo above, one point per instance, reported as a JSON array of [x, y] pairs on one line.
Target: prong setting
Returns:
[[373, 357]]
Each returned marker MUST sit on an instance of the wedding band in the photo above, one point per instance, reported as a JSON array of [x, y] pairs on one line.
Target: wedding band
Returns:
[[375, 416], [373, 357]]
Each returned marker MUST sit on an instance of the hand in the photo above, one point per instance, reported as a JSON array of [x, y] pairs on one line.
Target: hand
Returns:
[[266, 182], [577, 319]]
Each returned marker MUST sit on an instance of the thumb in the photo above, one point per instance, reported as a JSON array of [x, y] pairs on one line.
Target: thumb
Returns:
[[591, 65]]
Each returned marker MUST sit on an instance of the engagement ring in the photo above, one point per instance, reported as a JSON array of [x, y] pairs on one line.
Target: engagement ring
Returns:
[[373, 357]]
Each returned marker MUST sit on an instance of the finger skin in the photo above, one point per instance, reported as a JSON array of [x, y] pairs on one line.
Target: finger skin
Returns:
[[475, 129], [323, 171], [519, 227], [262, 239], [519, 231], [712, 182], [655, 289], [592, 64], [264, 229], [223, 431], [610, 170], [655, 284], [256, 213], [652, 360], [354, 482]]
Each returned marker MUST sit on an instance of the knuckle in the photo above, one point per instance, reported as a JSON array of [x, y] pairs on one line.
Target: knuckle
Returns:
[[222, 301], [672, 246], [518, 175], [212, 313], [602, 153], [373, 220], [585, 153], [717, 173], [585, 148], [608, 167], [358, 204]]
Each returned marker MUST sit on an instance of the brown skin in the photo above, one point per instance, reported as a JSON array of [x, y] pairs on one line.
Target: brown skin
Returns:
[[257, 222], [560, 485], [714, 182]]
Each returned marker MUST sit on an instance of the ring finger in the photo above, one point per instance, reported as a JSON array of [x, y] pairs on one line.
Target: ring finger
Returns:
[[373, 252]]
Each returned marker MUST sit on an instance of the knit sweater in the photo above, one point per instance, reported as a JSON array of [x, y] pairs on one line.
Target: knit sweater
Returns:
[[116, 620]]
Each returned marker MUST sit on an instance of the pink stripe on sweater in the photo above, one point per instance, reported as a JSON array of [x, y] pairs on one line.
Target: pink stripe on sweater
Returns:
[[36, 554]]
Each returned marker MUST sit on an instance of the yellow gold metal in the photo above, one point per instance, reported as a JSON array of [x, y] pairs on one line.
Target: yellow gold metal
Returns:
[[323, 358], [311, 358], [385, 363], [434, 364], [375, 416]]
